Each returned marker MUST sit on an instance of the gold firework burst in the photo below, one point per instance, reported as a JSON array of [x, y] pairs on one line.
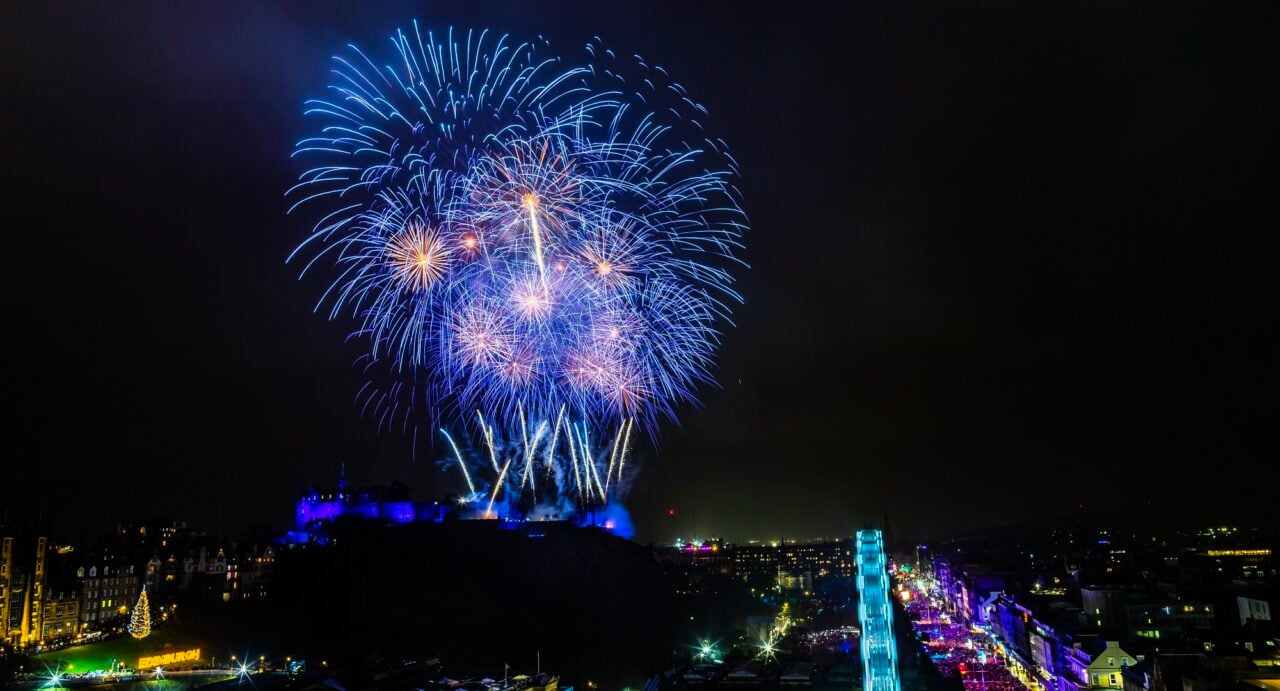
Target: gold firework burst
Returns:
[[418, 257]]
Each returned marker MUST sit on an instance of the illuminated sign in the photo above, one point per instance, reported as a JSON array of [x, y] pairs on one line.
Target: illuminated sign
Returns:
[[168, 659]]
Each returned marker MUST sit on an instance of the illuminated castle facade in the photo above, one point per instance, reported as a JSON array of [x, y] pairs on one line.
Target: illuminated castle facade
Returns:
[[318, 508]]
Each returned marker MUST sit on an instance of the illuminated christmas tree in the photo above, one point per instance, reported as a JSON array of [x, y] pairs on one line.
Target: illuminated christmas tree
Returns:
[[140, 623]]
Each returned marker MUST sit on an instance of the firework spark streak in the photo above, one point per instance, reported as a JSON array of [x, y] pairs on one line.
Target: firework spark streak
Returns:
[[471, 488], [547, 240], [497, 486]]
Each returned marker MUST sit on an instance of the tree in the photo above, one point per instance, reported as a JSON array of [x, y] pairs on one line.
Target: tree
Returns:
[[140, 623]]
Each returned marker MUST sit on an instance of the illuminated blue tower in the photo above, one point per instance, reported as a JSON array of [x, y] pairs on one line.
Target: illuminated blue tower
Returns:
[[879, 650]]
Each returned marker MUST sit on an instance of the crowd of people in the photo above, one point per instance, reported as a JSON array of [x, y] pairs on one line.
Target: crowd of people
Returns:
[[955, 648]]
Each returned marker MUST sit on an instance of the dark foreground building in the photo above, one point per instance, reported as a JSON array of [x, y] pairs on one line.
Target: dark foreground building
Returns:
[[477, 594]]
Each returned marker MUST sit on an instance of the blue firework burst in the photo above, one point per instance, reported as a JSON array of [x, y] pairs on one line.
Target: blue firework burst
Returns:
[[519, 234]]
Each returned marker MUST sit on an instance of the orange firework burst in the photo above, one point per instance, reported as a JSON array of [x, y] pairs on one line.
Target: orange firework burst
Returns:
[[418, 257]]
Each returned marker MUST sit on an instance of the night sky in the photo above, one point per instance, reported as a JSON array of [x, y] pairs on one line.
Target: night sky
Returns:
[[1007, 260]]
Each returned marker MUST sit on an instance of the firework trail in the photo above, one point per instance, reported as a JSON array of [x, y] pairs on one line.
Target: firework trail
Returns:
[[546, 242]]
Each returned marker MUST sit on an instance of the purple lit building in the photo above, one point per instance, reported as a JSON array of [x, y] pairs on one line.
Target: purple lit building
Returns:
[[969, 589], [318, 508]]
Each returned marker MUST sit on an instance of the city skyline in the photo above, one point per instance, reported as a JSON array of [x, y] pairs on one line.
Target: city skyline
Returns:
[[1043, 607]]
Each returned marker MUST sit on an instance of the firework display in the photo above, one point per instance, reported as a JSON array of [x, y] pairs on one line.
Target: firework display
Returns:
[[536, 249]]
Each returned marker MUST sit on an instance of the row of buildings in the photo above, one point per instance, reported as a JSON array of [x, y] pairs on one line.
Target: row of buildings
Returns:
[[1096, 610], [53, 593], [790, 565]]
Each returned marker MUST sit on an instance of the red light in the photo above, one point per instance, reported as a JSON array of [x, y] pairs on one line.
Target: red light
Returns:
[[671, 512]]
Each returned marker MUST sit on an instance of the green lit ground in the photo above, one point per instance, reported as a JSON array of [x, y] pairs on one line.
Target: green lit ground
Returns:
[[85, 658]]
